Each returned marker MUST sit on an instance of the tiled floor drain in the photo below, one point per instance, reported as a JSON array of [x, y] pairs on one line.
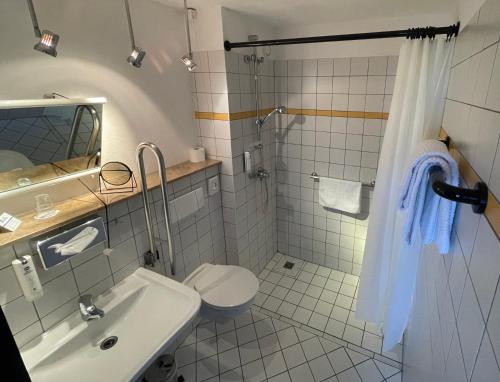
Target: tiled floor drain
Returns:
[[288, 265]]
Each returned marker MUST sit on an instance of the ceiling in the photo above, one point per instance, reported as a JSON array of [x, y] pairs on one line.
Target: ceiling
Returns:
[[304, 12]]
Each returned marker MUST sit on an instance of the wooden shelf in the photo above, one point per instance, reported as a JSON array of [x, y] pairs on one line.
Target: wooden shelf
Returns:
[[91, 203]]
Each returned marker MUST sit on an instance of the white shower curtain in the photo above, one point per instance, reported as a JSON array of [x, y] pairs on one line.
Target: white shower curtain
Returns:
[[389, 268]]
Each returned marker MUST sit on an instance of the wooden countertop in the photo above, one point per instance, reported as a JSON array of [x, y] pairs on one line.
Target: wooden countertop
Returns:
[[173, 173], [90, 203]]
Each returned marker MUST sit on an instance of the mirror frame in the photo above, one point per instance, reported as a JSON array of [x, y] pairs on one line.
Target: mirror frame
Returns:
[[25, 104]]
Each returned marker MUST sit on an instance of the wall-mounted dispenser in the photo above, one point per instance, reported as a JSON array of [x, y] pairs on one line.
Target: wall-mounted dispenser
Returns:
[[28, 278], [248, 163], [72, 242]]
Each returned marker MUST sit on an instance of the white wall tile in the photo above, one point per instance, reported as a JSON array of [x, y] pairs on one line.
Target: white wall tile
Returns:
[[486, 142], [377, 65], [7, 254], [485, 265], [486, 368], [217, 61], [92, 272], [341, 66], [470, 326], [359, 66], [493, 98], [19, 314], [325, 67], [56, 293], [340, 85], [26, 335], [9, 287], [482, 84]]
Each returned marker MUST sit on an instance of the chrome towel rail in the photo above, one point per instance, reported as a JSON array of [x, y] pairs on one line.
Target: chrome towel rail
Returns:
[[149, 256], [314, 176]]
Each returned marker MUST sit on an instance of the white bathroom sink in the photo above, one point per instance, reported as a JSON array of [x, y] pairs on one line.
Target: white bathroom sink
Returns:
[[145, 311]]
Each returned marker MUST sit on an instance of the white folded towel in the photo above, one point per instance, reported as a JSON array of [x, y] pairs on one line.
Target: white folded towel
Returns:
[[339, 194], [427, 211]]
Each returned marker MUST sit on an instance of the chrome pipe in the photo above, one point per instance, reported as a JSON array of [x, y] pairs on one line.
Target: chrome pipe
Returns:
[[77, 118], [96, 127], [145, 198], [75, 127], [34, 20], [130, 29]]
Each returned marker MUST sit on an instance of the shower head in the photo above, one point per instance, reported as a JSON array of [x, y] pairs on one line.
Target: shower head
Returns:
[[48, 40], [136, 57], [279, 110], [188, 61]]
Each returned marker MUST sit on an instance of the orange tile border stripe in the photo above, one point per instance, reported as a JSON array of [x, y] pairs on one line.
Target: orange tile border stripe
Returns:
[[310, 112], [470, 177]]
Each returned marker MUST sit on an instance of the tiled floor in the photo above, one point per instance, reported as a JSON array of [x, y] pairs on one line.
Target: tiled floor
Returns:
[[320, 298], [257, 347]]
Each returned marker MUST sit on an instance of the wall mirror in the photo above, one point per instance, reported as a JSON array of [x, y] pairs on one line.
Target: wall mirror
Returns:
[[42, 140]]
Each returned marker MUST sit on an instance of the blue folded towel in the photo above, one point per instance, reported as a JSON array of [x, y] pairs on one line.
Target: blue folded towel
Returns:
[[426, 210]]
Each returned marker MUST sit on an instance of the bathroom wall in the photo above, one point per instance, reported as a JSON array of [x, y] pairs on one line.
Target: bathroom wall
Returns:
[[454, 332], [337, 114], [223, 92], [197, 239], [152, 103]]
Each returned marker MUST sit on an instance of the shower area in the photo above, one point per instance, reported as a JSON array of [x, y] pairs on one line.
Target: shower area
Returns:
[[308, 258]]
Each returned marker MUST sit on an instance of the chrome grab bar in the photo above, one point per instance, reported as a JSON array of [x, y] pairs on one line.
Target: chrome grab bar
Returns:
[[77, 119], [150, 257], [96, 127]]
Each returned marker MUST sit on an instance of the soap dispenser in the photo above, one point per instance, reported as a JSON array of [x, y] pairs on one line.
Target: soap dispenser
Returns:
[[28, 278]]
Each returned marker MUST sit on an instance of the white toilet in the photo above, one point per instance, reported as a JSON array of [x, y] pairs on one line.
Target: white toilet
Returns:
[[225, 290]]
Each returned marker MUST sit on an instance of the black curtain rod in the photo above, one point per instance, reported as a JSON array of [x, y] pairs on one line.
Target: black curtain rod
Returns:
[[431, 32]]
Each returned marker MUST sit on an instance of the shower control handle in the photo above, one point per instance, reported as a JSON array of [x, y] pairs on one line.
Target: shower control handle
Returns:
[[262, 173]]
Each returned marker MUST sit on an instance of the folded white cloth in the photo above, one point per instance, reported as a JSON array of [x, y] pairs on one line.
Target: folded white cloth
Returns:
[[339, 194], [426, 210]]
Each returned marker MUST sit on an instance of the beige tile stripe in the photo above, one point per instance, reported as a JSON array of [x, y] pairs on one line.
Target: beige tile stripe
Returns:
[[311, 112], [470, 177]]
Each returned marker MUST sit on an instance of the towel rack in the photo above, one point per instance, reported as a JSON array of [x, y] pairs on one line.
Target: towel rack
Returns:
[[477, 197], [314, 176]]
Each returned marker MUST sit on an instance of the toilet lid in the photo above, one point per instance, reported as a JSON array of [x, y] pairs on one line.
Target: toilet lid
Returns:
[[226, 286]]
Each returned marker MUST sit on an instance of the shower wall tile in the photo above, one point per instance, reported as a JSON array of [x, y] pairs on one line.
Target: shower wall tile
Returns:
[[338, 147], [197, 239], [249, 205], [453, 331]]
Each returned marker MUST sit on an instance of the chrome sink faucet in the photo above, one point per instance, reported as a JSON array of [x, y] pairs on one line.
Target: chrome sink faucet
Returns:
[[88, 310]]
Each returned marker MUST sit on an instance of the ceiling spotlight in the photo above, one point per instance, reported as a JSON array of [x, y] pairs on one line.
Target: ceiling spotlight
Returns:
[[135, 58], [188, 61], [188, 58], [48, 40]]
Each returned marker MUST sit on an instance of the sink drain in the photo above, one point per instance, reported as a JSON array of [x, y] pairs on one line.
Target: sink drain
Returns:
[[108, 343]]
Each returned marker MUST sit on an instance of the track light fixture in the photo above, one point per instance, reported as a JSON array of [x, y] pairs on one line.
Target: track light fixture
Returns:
[[188, 58], [48, 40], [135, 58]]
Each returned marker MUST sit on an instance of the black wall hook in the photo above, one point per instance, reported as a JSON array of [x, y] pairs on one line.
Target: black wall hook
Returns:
[[477, 197]]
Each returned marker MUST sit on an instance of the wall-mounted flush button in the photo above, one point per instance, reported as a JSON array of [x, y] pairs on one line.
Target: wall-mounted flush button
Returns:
[[213, 185]]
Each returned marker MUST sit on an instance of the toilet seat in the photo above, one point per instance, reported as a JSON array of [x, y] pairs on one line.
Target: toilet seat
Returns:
[[224, 286]]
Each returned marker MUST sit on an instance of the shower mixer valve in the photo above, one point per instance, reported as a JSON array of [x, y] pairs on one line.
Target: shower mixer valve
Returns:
[[262, 173]]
